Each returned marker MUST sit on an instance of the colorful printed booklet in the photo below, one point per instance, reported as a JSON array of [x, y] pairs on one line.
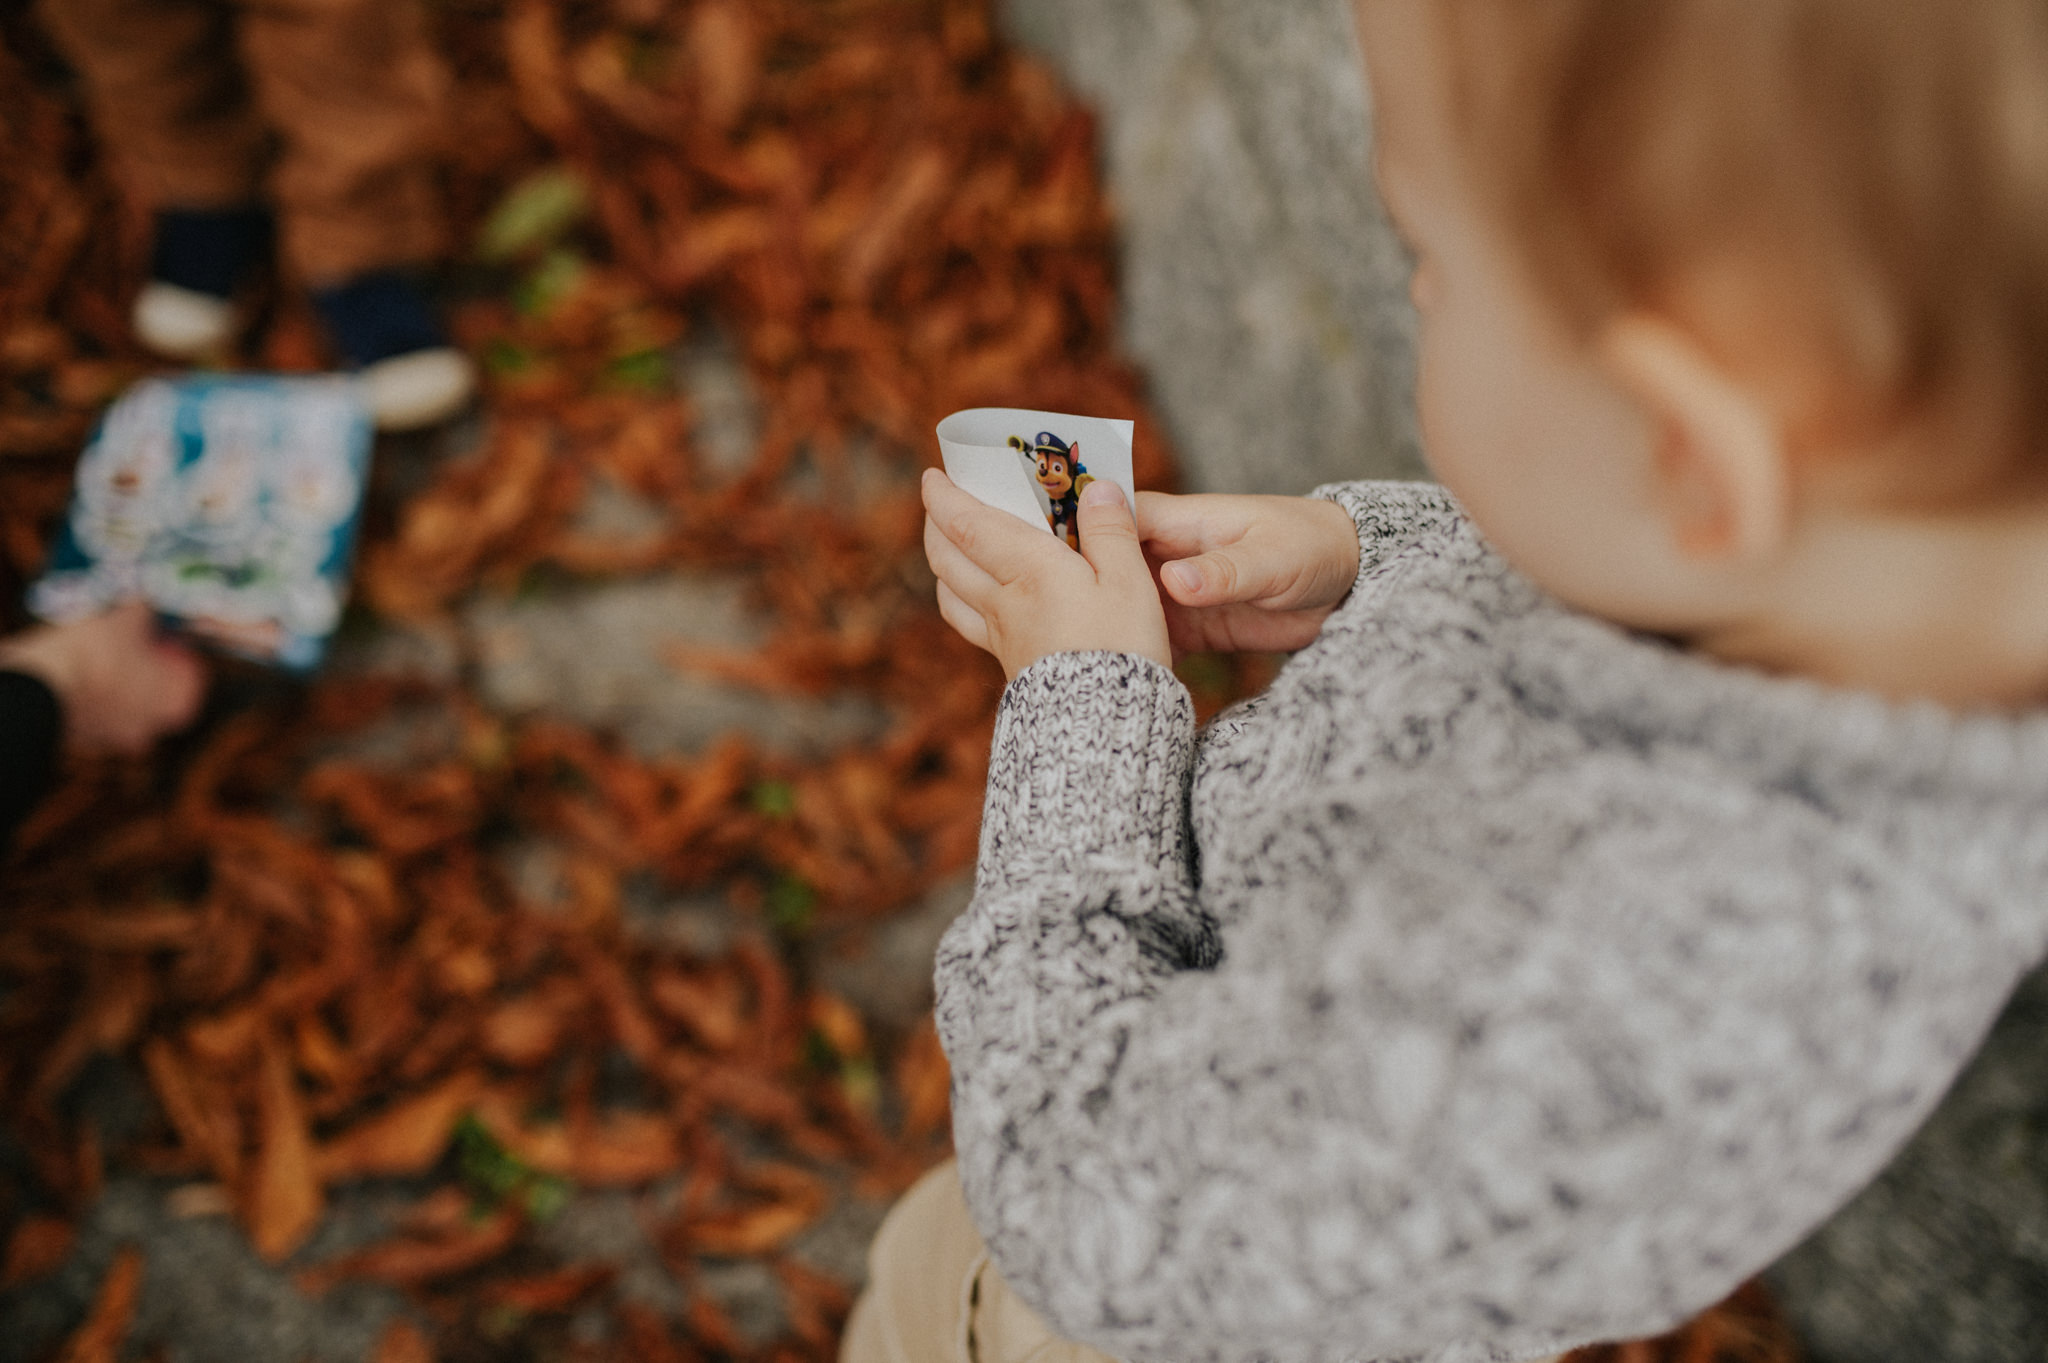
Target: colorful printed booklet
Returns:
[[229, 502], [1034, 464]]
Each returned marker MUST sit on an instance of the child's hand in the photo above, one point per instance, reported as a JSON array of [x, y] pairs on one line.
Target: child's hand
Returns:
[[1023, 595], [120, 685], [1247, 574]]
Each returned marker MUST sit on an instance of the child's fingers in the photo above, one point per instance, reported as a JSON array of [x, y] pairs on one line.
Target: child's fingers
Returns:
[[1178, 527], [995, 541], [955, 571], [180, 685], [1109, 536], [967, 622], [1213, 579]]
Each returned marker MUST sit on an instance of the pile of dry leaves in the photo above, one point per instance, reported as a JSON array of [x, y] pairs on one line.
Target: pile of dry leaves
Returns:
[[320, 962]]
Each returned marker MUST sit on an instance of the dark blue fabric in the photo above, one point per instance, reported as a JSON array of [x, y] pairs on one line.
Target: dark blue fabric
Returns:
[[376, 316], [31, 726], [209, 251]]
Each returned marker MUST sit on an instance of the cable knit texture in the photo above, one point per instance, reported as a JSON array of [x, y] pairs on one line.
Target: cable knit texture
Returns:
[[1497, 982]]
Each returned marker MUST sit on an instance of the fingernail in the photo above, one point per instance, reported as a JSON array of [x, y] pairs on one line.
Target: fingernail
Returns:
[[1102, 492], [1182, 576]]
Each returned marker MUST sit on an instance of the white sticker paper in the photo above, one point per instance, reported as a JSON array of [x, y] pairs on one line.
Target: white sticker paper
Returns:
[[1034, 464]]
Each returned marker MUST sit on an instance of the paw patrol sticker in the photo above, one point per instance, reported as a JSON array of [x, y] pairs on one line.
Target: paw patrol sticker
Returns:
[[1035, 464], [229, 502]]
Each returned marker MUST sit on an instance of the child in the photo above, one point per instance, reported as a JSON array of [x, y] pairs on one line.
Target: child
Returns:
[[187, 95], [1651, 822]]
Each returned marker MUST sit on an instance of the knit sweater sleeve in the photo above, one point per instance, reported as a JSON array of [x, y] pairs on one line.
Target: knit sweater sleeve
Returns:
[[31, 727], [1164, 1159], [1102, 1074], [1391, 516], [1382, 1127], [1496, 984]]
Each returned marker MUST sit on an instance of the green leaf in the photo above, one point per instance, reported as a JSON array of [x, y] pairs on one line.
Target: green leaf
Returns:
[[503, 357], [558, 275], [494, 1175], [546, 1196], [534, 213], [860, 1084], [647, 370], [792, 906], [775, 799]]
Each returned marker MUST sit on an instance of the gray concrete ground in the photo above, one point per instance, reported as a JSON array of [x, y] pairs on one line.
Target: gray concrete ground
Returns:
[[1263, 288]]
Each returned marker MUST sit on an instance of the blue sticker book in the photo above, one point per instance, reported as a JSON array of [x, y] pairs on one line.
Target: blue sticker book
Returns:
[[229, 502]]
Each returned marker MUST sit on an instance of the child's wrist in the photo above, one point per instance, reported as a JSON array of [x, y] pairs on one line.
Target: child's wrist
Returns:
[[39, 653]]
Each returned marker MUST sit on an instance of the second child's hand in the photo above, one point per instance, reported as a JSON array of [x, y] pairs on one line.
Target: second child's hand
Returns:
[[1247, 574], [1023, 595]]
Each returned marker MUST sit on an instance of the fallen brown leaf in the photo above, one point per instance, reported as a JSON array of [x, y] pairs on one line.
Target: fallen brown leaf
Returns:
[[99, 1338], [39, 1244], [283, 1201], [410, 1262], [557, 1291], [403, 1342], [405, 1138]]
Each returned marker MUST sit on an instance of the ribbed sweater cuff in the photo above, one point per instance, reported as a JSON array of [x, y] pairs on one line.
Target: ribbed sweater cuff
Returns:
[[1090, 767], [1390, 516]]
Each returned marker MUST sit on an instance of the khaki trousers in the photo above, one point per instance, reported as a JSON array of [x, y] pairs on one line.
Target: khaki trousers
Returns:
[[934, 1297], [339, 101]]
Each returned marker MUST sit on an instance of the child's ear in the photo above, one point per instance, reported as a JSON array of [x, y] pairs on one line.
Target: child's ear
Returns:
[[1721, 472]]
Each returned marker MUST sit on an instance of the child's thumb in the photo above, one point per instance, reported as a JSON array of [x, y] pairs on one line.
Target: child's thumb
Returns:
[[1212, 579], [1109, 536]]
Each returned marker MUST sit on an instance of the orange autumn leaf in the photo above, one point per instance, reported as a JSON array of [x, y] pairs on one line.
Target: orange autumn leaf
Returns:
[[725, 50], [402, 1342], [317, 1051], [794, 1199], [925, 1082], [630, 1024], [409, 1262], [405, 1138], [839, 1025], [624, 1148], [225, 1039], [753, 1231], [522, 1032], [708, 1006], [557, 1291], [199, 1111], [1746, 1327], [117, 999], [154, 929], [99, 1338], [616, 1149], [648, 1338], [282, 1201], [817, 1304], [37, 1247]]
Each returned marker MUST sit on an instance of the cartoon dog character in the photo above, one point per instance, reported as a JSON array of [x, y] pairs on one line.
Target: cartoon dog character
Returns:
[[1062, 474]]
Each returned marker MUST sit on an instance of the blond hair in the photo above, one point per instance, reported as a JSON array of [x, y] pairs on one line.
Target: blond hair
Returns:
[[1875, 170]]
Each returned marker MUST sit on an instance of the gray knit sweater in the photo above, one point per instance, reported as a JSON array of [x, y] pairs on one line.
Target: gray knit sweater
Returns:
[[1497, 982]]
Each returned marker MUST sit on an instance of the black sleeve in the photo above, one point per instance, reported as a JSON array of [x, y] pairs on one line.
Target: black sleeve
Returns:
[[31, 728]]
